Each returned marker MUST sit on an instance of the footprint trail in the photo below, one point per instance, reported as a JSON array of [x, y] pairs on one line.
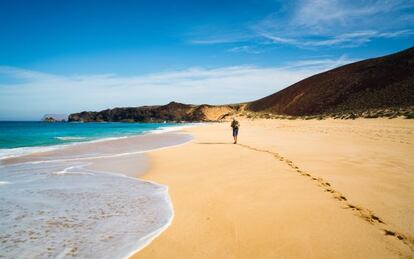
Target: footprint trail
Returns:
[[362, 213]]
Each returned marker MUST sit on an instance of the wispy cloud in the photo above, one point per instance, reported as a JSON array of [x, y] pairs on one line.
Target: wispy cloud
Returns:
[[325, 15], [246, 49], [326, 23], [214, 41], [345, 40], [35, 93], [321, 63], [322, 23], [222, 38]]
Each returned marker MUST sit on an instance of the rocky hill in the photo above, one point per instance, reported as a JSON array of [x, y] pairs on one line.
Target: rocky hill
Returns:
[[172, 112], [379, 83]]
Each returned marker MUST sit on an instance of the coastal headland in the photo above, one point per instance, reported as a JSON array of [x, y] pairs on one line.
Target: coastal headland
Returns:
[[371, 88]]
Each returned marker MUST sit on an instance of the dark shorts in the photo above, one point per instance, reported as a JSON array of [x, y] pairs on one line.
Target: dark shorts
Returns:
[[235, 132]]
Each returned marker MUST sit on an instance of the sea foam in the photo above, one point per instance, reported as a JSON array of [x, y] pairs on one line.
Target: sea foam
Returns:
[[71, 138], [54, 206], [63, 210]]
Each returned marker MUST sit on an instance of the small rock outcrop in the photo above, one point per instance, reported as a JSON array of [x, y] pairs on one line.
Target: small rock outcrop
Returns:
[[54, 118]]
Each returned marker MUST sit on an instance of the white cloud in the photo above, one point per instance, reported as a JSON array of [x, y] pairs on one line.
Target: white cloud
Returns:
[[323, 15], [246, 49], [35, 93], [213, 41], [326, 23], [222, 38], [345, 40], [321, 23], [321, 64]]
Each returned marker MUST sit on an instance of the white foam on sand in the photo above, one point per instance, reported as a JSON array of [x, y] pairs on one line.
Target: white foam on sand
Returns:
[[59, 208], [175, 128], [70, 138], [6, 153], [63, 210]]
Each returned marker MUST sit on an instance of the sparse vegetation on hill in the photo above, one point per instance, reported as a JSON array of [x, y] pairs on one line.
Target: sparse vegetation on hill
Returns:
[[380, 83], [172, 112]]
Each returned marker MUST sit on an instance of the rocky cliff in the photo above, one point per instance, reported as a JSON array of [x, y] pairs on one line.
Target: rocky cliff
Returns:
[[172, 112]]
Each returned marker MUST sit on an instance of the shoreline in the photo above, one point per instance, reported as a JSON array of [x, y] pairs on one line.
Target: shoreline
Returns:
[[213, 185], [7, 153], [49, 149], [82, 162]]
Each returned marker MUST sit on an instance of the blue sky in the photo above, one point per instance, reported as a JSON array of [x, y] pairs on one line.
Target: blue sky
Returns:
[[67, 56]]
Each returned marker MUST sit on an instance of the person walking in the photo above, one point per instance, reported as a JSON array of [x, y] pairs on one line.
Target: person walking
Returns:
[[235, 125]]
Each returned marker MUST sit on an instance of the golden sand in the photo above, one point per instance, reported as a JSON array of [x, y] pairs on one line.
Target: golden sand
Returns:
[[290, 189]]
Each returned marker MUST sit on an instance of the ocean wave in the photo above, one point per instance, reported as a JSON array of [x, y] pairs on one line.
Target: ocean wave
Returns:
[[72, 199], [174, 128], [6, 153], [88, 157], [67, 171], [60, 217], [70, 138]]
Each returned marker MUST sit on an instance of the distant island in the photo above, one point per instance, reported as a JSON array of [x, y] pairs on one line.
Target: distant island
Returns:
[[378, 87], [54, 118]]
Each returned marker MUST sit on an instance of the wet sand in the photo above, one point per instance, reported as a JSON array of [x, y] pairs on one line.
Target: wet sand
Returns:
[[289, 189], [124, 155], [76, 202]]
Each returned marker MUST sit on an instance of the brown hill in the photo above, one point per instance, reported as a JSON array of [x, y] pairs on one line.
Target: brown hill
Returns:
[[385, 82], [171, 112]]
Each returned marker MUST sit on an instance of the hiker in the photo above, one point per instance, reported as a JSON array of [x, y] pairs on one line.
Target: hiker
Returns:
[[235, 125]]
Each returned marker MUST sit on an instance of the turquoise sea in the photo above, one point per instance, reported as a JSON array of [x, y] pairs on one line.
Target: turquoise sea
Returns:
[[30, 134]]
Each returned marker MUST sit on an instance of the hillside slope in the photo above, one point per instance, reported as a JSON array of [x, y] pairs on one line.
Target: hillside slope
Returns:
[[171, 112], [385, 82]]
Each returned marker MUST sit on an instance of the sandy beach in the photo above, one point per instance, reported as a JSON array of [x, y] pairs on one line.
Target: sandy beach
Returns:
[[289, 189]]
